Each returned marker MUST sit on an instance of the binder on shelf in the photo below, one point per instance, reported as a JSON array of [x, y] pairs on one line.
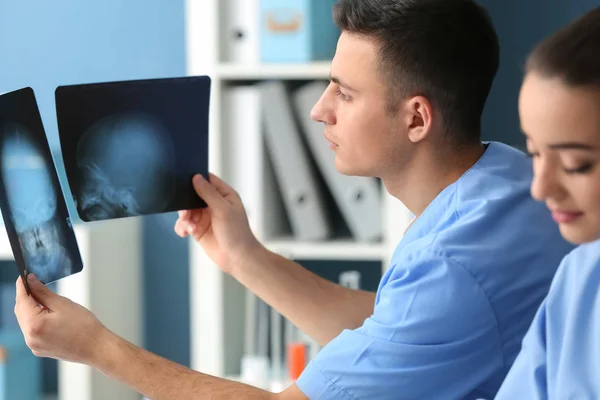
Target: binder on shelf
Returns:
[[248, 171], [298, 182], [255, 363], [358, 198], [241, 31]]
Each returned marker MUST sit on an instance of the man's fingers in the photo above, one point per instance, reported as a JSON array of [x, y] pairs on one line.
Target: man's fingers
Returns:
[[184, 214], [41, 292], [189, 226], [208, 192], [198, 229], [22, 299], [223, 188], [197, 217], [181, 227]]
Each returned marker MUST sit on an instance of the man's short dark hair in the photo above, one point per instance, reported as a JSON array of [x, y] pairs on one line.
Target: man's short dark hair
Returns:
[[572, 53], [446, 50]]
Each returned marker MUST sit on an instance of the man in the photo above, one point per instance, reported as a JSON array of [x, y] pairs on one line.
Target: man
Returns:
[[408, 85]]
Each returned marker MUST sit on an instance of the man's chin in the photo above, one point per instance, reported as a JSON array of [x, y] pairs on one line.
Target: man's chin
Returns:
[[350, 170]]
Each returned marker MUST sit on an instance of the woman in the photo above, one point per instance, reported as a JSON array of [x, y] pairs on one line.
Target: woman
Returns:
[[559, 107]]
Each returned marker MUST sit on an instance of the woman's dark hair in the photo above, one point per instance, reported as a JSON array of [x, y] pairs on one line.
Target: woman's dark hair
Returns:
[[446, 50], [571, 54]]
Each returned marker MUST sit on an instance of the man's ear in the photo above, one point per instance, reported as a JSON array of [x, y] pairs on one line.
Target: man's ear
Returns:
[[419, 118]]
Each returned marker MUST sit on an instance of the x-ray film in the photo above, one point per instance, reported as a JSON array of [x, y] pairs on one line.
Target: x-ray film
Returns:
[[131, 148], [31, 199]]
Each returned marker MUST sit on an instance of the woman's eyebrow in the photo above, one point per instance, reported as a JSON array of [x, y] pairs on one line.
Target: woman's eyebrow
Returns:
[[572, 146]]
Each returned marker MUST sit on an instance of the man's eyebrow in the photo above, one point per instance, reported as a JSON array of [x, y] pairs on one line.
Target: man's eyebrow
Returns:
[[338, 81]]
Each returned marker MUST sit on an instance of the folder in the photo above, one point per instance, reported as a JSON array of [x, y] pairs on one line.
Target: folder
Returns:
[[297, 178], [248, 170], [358, 198], [276, 346], [241, 34]]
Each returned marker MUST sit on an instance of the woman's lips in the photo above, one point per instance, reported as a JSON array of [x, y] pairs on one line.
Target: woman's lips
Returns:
[[566, 217]]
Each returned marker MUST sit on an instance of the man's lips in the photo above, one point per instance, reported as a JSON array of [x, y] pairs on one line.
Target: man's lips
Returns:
[[331, 142]]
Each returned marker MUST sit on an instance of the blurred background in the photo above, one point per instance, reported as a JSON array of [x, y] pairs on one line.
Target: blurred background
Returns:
[[46, 44]]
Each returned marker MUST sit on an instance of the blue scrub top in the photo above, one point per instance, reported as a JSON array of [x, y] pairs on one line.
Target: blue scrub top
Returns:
[[560, 358], [461, 291]]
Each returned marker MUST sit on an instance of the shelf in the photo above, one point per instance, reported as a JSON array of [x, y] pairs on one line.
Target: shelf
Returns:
[[111, 255], [218, 301], [313, 70], [327, 250]]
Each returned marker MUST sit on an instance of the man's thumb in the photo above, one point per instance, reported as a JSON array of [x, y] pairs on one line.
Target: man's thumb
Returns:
[[41, 292], [207, 191]]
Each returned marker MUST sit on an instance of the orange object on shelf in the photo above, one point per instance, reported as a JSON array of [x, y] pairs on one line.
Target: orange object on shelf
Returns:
[[296, 359]]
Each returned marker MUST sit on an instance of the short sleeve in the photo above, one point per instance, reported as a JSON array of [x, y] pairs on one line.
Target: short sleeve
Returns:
[[433, 335]]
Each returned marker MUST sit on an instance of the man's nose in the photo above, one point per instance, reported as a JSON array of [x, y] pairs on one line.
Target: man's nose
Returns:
[[322, 111]]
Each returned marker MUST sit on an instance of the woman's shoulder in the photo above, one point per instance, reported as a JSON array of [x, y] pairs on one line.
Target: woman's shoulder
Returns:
[[587, 254], [579, 268]]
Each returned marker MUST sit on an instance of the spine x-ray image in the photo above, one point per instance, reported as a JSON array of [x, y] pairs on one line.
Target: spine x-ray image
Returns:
[[131, 148], [31, 199]]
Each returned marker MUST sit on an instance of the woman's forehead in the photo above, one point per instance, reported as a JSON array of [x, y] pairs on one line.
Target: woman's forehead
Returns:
[[554, 110]]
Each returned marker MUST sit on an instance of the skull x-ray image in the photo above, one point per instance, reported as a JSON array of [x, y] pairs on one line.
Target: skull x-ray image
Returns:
[[127, 166], [33, 207], [131, 148]]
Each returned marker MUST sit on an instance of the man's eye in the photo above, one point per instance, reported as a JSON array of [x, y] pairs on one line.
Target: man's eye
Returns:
[[342, 96]]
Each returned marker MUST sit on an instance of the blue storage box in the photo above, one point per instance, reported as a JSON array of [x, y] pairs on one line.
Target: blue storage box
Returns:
[[297, 30], [20, 370]]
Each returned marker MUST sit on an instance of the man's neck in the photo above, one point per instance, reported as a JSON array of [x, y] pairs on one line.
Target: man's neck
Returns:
[[429, 174]]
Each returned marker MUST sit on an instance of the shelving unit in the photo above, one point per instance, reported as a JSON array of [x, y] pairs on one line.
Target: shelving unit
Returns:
[[313, 70], [110, 287], [217, 301], [341, 249]]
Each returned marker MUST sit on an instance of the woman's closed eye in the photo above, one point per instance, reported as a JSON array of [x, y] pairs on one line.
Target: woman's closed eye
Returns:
[[570, 167], [581, 169]]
